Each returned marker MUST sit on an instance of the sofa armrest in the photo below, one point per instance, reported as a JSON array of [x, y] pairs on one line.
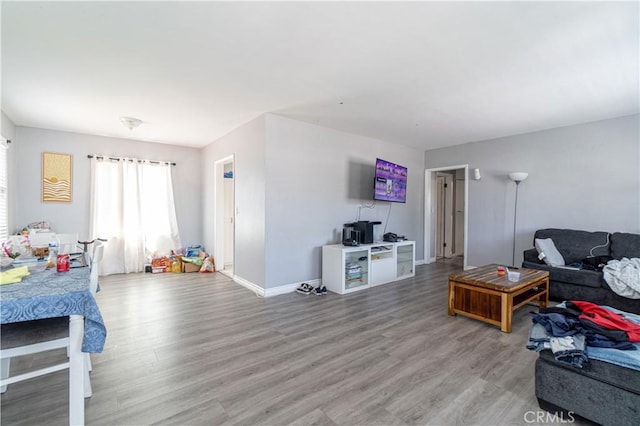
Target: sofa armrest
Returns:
[[531, 255]]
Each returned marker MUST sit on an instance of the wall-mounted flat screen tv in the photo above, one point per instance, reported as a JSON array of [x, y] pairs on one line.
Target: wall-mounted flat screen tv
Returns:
[[390, 182]]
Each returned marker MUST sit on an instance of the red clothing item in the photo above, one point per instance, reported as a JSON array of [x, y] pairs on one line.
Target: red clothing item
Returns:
[[608, 319]]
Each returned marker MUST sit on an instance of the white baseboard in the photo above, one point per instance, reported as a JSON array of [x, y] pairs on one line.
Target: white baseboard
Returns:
[[420, 262], [273, 291], [251, 286], [289, 288]]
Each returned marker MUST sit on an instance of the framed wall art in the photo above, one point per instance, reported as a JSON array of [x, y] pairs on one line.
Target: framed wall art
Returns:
[[56, 177]]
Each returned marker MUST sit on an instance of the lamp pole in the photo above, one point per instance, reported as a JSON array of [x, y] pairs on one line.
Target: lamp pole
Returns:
[[515, 216], [517, 177]]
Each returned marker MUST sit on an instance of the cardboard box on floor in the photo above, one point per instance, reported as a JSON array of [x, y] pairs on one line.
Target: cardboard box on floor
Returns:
[[190, 267]]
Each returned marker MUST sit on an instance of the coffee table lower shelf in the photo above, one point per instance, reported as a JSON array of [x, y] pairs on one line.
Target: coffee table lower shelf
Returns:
[[494, 306]]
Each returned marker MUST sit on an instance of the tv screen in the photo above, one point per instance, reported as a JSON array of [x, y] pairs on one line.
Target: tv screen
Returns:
[[390, 182]]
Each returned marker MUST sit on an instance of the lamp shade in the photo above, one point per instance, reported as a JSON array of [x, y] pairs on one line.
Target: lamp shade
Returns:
[[518, 176]]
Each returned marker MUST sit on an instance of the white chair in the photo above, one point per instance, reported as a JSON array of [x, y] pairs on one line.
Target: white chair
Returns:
[[96, 259], [68, 243], [31, 337], [42, 239]]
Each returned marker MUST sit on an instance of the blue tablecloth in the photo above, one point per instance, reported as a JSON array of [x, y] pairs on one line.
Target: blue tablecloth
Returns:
[[50, 294]]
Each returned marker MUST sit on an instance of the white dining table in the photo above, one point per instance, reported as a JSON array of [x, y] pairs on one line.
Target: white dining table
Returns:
[[50, 294]]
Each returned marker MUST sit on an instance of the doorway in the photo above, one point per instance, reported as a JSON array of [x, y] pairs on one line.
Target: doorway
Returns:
[[446, 213], [225, 215]]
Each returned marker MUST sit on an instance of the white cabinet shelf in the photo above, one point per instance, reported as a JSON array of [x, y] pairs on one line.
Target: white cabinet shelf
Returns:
[[347, 269], [405, 260]]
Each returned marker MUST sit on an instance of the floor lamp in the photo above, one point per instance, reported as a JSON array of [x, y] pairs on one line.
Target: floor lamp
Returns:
[[517, 177]]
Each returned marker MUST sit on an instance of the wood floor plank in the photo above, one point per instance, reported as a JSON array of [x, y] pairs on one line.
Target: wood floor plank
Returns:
[[198, 349]]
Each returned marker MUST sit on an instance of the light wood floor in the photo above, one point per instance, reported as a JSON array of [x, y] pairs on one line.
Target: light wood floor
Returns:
[[199, 349]]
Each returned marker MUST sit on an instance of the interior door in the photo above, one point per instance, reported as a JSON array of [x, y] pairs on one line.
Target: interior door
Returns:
[[445, 215], [228, 216], [440, 201], [458, 226]]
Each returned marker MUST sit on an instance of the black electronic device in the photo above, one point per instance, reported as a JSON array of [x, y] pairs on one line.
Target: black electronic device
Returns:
[[390, 237], [350, 235], [362, 231], [350, 243]]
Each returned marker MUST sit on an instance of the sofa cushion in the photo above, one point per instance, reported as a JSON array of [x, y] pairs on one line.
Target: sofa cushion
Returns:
[[582, 277], [625, 245], [621, 377], [605, 394], [576, 245], [546, 248], [531, 255]]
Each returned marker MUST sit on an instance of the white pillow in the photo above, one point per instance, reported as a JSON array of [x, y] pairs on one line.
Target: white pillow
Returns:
[[548, 252]]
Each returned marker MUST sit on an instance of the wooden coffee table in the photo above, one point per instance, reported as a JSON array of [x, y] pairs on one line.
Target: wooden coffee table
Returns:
[[484, 295]]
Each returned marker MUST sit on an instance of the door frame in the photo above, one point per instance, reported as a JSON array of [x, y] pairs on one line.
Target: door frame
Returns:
[[430, 214], [219, 199]]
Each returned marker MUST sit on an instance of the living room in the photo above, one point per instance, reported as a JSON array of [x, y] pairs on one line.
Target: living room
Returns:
[[301, 174]]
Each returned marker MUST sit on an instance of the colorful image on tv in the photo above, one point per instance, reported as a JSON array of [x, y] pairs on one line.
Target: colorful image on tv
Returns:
[[390, 182]]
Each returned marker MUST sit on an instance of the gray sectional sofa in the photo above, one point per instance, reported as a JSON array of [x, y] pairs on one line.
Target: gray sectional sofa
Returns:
[[575, 246], [601, 392]]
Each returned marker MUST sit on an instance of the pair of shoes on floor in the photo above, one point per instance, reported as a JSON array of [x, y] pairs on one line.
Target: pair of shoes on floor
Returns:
[[320, 291], [305, 289], [308, 289]]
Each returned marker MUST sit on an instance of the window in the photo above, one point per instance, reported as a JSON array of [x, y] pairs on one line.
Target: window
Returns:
[[132, 207], [4, 192]]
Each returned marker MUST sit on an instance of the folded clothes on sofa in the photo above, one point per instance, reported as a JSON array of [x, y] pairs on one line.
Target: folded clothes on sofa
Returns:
[[568, 349], [588, 345]]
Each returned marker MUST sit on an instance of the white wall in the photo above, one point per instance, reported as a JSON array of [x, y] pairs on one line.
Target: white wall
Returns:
[[246, 144], [7, 128], [580, 177], [8, 131], [29, 143], [316, 179]]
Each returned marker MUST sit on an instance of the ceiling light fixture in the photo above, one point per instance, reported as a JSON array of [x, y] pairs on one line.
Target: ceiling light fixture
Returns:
[[130, 122]]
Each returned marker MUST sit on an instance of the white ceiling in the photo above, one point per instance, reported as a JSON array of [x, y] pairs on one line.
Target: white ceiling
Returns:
[[424, 74]]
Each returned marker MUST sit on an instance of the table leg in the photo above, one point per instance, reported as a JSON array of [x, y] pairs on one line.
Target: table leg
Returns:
[[4, 372], [544, 300], [506, 315], [76, 370], [451, 297], [88, 392]]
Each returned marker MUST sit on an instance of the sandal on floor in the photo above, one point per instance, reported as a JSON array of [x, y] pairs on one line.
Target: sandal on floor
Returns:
[[304, 289], [320, 291]]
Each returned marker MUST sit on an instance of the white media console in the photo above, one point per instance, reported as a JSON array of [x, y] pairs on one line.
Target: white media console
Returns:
[[347, 269]]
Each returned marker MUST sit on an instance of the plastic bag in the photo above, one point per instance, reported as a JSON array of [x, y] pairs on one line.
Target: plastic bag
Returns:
[[17, 245], [194, 251], [176, 265], [208, 265]]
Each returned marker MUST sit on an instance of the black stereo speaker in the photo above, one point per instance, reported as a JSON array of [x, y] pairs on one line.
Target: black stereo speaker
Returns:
[[364, 230]]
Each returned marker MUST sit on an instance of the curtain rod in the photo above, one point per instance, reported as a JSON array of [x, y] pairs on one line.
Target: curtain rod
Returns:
[[100, 157]]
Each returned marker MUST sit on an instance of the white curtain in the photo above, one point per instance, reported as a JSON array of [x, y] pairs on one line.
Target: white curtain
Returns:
[[132, 206]]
